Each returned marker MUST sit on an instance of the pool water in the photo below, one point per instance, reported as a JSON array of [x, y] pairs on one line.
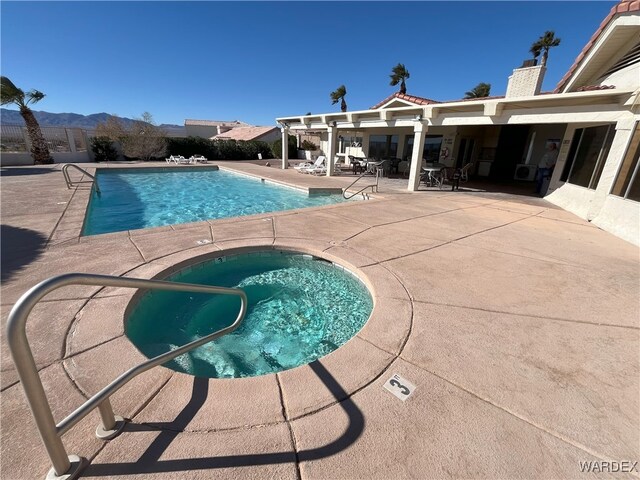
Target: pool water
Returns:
[[140, 198], [300, 309]]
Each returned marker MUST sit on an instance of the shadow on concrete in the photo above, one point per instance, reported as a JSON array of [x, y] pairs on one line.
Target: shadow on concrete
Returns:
[[19, 247], [17, 171], [149, 462]]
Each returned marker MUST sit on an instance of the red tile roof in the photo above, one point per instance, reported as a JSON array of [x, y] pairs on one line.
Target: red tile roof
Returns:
[[408, 98], [623, 7]]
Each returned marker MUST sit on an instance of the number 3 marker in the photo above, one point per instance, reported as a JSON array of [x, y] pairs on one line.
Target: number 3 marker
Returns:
[[400, 387]]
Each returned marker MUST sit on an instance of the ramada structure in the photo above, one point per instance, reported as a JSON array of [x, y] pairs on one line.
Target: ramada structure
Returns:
[[593, 116]]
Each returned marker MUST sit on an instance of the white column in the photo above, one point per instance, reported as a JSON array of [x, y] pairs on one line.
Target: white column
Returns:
[[420, 132], [285, 147], [332, 137]]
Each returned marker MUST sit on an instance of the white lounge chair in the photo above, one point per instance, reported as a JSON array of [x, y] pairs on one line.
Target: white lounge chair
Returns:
[[198, 158], [308, 167]]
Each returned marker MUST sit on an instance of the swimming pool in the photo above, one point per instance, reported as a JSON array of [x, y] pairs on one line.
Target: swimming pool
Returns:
[[300, 309], [152, 197]]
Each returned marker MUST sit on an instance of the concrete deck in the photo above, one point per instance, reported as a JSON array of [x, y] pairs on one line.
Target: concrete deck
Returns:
[[518, 322]]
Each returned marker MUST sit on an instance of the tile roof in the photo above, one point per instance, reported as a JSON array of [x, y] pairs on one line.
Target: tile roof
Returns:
[[623, 7], [408, 98], [590, 88], [216, 123], [244, 133]]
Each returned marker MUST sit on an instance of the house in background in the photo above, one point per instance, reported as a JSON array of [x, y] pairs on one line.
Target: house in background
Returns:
[[210, 128], [262, 134], [593, 116], [230, 130]]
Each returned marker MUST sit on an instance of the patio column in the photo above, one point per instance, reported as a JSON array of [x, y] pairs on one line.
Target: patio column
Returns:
[[420, 132], [332, 138], [285, 147]]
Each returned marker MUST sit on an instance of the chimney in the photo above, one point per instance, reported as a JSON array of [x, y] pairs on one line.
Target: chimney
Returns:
[[526, 81]]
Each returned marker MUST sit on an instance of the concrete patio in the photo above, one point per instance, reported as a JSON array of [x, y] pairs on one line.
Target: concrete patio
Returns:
[[518, 323]]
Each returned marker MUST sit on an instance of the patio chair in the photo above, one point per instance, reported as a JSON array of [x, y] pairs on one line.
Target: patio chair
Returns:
[[308, 167]]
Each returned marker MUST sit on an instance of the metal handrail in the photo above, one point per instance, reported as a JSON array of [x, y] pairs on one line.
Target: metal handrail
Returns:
[[373, 186], [67, 178], [70, 466]]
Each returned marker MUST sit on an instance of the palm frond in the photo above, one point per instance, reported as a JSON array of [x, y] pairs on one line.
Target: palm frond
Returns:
[[9, 93], [34, 96]]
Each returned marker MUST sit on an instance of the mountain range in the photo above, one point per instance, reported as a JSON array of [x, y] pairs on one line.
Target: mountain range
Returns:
[[75, 120]]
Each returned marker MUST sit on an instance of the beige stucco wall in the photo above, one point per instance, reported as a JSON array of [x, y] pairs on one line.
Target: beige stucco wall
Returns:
[[627, 78], [203, 131]]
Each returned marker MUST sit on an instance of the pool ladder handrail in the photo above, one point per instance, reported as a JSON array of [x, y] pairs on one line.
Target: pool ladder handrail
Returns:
[[372, 186], [69, 467], [70, 183]]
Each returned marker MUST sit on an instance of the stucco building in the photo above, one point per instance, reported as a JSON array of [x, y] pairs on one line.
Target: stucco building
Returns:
[[593, 116]]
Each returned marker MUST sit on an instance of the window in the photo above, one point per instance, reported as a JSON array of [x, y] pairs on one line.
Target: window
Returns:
[[627, 184], [587, 156], [432, 144], [383, 146]]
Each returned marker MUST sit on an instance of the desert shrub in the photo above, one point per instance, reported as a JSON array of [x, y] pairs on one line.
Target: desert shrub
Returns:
[[103, 149], [192, 146], [308, 145], [276, 147], [219, 149]]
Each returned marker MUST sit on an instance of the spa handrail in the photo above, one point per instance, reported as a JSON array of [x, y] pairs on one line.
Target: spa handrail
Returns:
[[372, 186], [30, 379], [67, 178]]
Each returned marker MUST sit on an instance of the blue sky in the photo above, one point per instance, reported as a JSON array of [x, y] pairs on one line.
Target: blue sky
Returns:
[[254, 61]]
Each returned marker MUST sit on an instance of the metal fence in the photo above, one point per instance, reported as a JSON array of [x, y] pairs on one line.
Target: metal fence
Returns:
[[14, 138]]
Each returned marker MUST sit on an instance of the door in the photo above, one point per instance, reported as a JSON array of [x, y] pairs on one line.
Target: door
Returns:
[[510, 151], [465, 152]]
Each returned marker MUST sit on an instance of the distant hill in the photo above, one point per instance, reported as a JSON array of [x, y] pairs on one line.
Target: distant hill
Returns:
[[74, 120]]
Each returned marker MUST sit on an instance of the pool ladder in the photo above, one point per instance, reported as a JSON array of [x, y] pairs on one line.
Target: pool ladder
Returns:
[[71, 183], [372, 186], [70, 467]]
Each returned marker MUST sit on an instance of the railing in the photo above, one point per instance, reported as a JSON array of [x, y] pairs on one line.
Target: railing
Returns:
[[67, 178], [69, 467], [372, 186]]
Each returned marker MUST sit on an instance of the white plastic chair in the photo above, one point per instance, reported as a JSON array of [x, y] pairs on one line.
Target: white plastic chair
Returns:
[[308, 167]]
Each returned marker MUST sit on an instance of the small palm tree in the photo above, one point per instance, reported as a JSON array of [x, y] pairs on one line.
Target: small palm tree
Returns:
[[535, 50], [338, 96], [479, 91], [543, 44], [9, 93], [398, 75]]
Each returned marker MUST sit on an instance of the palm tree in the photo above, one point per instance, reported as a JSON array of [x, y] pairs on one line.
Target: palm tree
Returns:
[[9, 93], [337, 95], [535, 50], [543, 44], [399, 75], [479, 91]]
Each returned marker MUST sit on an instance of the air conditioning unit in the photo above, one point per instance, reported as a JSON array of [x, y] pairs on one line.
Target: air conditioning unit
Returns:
[[525, 172]]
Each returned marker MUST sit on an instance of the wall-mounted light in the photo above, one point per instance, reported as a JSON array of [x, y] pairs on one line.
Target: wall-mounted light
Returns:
[[418, 118]]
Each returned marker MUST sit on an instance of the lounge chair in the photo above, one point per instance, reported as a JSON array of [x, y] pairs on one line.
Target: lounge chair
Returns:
[[174, 158], [308, 167], [198, 158]]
